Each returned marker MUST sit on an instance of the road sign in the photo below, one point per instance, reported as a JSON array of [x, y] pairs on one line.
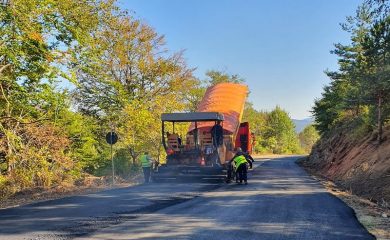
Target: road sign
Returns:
[[111, 138]]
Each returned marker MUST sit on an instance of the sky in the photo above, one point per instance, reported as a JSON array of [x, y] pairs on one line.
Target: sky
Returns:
[[280, 47]]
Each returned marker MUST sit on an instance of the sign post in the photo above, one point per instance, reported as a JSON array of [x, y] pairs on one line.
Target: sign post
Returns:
[[111, 139]]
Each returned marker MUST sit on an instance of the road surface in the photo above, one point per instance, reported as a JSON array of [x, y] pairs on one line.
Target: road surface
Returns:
[[280, 202]]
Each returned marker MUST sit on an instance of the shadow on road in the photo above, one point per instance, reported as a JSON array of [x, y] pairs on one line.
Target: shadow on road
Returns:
[[280, 202]]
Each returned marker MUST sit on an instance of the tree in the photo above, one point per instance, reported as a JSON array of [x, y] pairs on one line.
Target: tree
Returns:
[[274, 131], [257, 119], [194, 95], [215, 77], [133, 65], [257, 123], [281, 130], [377, 51], [308, 137], [38, 42], [330, 109], [362, 81], [132, 82]]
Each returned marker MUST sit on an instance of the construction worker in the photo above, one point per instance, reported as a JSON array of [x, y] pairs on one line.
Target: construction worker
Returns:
[[249, 157], [146, 163], [217, 133], [239, 166]]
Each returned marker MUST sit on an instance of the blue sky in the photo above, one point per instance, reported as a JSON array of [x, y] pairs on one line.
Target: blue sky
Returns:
[[281, 47]]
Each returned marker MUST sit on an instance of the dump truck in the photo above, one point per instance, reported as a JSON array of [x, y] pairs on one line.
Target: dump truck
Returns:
[[198, 153]]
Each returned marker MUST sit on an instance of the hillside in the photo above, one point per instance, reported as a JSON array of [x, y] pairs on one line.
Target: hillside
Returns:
[[360, 165], [352, 115]]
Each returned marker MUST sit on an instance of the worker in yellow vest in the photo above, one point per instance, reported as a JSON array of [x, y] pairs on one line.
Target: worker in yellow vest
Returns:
[[146, 163], [239, 166]]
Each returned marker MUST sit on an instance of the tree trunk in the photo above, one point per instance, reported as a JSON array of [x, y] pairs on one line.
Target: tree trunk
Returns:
[[133, 155], [380, 124], [8, 155]]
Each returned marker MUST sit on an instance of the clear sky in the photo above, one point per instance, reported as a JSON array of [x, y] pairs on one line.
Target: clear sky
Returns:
[[280, 47]]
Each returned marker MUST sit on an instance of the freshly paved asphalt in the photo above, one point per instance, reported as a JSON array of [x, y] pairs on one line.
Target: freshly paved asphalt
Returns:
[[280, 202]]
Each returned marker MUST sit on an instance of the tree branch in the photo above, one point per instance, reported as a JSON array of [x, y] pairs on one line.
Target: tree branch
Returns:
[[4, 67], [3, 119]]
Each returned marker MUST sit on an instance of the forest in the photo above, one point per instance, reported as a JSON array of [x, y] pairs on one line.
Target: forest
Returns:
[[358, 96], [72, 70]]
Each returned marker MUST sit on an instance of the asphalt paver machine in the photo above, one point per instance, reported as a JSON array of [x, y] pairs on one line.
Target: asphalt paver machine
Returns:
[[195, 156]]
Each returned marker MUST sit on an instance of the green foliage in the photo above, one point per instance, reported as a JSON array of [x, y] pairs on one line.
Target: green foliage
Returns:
[[257, 119], [132, 83], [274, 131], [38, 44], [80, 129], [124, 78], [308, 137], [215, 77], [194, 95], [360, 89], [124, 167], [280, 128]]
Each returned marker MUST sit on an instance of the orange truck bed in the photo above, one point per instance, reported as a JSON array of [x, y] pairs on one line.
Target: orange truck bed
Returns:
[[228, 99]]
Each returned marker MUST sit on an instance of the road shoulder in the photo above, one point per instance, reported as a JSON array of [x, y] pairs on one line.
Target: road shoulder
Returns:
[[374, 218], [33, 196]]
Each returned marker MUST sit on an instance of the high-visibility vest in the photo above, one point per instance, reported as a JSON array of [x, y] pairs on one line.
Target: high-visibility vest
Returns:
[[145, 161], [239, 160]]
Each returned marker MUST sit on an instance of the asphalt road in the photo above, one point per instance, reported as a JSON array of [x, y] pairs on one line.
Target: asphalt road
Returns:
[[280, 202]]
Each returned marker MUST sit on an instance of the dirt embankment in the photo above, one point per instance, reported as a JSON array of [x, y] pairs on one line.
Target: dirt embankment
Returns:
[[358, 164]]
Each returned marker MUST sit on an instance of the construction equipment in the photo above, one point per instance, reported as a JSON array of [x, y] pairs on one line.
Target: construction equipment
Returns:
[[200, 155]]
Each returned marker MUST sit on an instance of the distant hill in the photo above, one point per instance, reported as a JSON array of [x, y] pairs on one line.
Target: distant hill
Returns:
[[301, 124]]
